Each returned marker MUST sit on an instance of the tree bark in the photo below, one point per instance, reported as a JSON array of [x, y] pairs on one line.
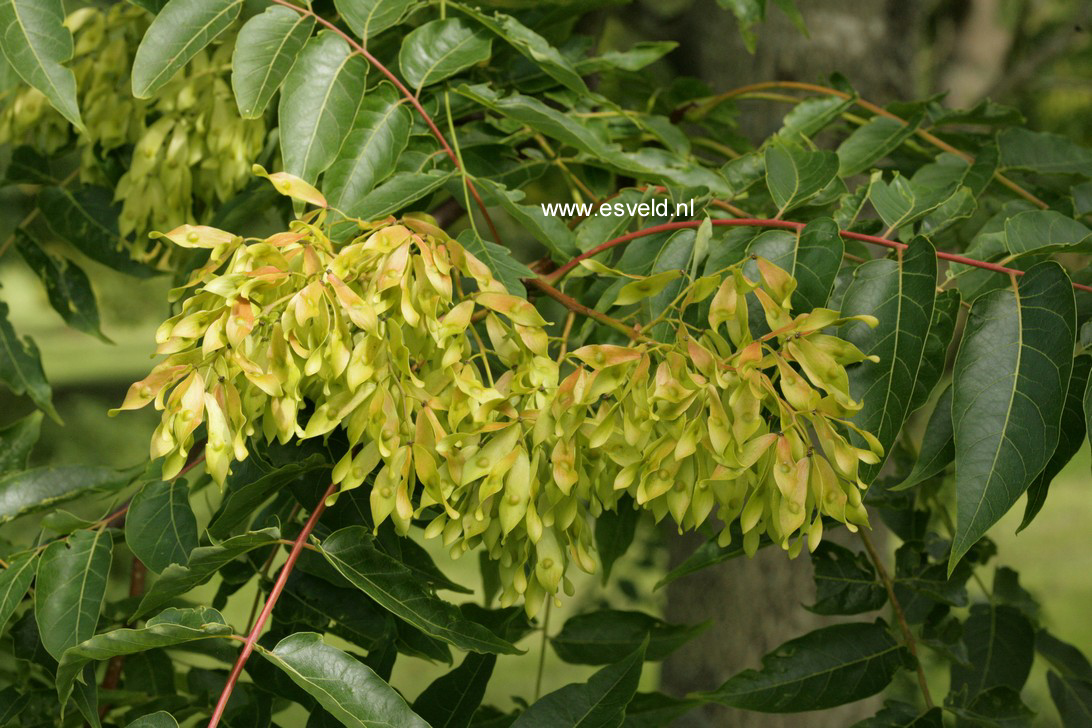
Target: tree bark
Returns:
[[755, 605]]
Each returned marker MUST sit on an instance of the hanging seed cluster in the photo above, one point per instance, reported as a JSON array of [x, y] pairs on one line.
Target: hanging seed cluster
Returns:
[[457, 415], [187, 143]]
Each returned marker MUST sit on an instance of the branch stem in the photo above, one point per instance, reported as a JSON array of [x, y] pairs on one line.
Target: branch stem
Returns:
[[780, 224], [900, 616], [267, 610], [573, 305]]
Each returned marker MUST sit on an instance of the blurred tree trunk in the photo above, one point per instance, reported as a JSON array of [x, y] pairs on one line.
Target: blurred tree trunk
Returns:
[[755, 604]]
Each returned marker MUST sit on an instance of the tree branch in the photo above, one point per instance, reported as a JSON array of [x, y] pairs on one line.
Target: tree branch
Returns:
[[900, 616], [267, 610]]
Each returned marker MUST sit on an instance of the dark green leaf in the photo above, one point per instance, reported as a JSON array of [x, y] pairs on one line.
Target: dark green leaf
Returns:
[[414, 557], [614, 532], [70, 587], [654, 710], [872, 142], [243, 498], [451, 699], [900, 292], [599, 703], [265, 51], [1042, 152], [896, 714], [902, 202], [353, 553], [710, 554], [441, 48], [33, 490], [160, 527], [551, 231], [998, 707], [532, 45], [937, 445], [14, 583], [795, 174], [921, 583], [1070, 438], [1000, 644], [180, 30], [813, 115], [368, 17], [87, 218], [1046, 231], [344, 686], [159, 719], [507, 269], [21, 370], [638, 56], [36, 44], [203, 563], [935, 356], [1073, 696], [16, 442], [1011, 376], [67, 286], [401, 190], [845, 582], [828, 667], [608, 635], [1063, 657], [169, 627], [380, 133], [319, 102]]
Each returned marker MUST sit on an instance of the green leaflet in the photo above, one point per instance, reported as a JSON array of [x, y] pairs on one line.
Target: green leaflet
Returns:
[[169, 627], [439, 49], [400, 190], [345, 687], [845, 581], [351, 551], [265, 51], [87, 218], [14, 584], [937, 447], [532, 45], [451, 700], [380, 133], [599, 703], [21, 370], [1011, 376], [828, 667], [67, 286], [70, 588], [180, 30], [32, 490], [1043, 152], [609, 635], [368, 17], [203, 563], [35, 43], [159, 719], [900, 292], [160, 527], [16, 442], [319, 102], [795, 174], [1070, 438], [872, 142]]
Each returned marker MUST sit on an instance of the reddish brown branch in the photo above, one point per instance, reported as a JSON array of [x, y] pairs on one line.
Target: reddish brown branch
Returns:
[[409, 97], [783, 225], [267, 610]]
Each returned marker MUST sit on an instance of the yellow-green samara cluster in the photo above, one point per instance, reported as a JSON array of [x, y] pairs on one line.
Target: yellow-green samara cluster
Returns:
[[457, 414], [188, 143]]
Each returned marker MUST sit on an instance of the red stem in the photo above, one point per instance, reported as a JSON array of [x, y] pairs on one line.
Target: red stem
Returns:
[[274, 595], [409, 97], [781, 224]]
